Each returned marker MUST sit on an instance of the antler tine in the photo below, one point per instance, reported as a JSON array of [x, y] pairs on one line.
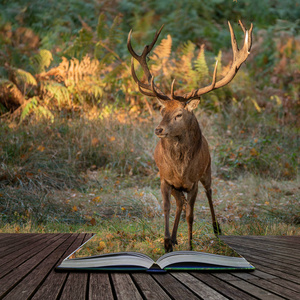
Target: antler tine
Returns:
[[173, 97], [239, 56], [146, 93], [197, 93], [142, 59], [172, 89], [157, 95], [145, 86]]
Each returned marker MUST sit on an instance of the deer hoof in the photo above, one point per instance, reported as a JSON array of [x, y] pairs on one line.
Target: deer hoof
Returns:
[[168, 245], [217, 228], [174, 242]]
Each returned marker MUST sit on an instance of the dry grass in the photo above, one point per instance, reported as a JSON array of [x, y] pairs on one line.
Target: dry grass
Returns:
[[97, 174]]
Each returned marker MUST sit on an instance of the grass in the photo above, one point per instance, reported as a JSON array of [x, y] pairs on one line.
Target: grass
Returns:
[[97, 174]]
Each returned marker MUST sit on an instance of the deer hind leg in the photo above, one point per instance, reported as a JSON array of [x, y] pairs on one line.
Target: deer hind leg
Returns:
[[180, 202], [166, 195], [206, 182], [191, 198]]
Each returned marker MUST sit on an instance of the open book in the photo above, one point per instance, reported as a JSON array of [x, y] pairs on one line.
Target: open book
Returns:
[[134, 261]]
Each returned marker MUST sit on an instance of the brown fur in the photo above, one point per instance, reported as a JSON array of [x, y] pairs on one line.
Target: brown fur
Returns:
[[183, 159]]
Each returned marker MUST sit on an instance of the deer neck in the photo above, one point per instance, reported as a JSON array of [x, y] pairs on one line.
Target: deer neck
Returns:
[[181, 149]]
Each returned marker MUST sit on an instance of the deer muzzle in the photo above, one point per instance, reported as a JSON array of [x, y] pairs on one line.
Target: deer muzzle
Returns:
[[159, 131]]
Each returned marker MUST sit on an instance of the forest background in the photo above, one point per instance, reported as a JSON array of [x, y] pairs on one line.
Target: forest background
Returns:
[[77, 137]]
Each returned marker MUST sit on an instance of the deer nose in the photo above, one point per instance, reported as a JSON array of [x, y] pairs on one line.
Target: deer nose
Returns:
[[158, 130]]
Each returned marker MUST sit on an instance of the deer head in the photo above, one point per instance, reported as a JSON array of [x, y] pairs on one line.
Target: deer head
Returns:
[[177, 118]]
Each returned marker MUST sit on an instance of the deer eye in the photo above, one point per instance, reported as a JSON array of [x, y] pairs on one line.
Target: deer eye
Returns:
[[177, 117]]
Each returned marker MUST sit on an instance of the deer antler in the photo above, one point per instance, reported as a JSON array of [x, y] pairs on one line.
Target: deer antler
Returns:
[[142, 60], [239, 56]]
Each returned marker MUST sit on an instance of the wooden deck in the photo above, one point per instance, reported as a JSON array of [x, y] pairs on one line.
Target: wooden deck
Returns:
[[27, 264]]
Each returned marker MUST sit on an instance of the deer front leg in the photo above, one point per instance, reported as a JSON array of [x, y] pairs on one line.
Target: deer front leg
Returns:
[[191, 198], [166, 195], [180, 200]]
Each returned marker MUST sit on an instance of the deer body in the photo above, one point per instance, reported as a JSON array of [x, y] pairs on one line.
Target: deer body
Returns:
[[182, 153], [183, 159]]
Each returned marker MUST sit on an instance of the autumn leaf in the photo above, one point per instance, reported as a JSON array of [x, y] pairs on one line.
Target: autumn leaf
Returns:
[[101, 246], [95, 142], [97, 199], [75, 208], [254, 152], [41, 148], [28, 174], [93, 222]]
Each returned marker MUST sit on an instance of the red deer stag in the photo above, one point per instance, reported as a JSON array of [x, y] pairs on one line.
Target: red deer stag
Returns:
[[182, 153]]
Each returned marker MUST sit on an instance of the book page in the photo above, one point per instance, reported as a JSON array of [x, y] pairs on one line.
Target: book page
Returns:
[[99, 245]]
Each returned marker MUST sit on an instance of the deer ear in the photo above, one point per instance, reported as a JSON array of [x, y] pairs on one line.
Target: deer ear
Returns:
[[191, 105], [161, 102]]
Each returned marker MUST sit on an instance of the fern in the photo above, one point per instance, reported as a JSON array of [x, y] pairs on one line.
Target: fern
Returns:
[[82, 45], [28, 108], [54, 90], [114, 34], [201, 65], [188, 49], [219, 59], [22, 77], [41, 61], [185, 67], [101, 28], [44, 112], [161, 56], [163, 50]]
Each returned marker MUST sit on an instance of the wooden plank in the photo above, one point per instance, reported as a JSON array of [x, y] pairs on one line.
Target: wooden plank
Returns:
[[173, 287], [149, 287], [269, 262], [125, 288], [10, 265], [266, 248], [75, 287], [255, 290], [198, 287], [53, 284], [280, 290], [11, 236], [223, 287], [19, 251], [270, 244], [16, 275], [254, 281], [266, 259], [263, 275], [292, 240], [288, 284], [266, 269], [272, 247], [27, 286], [100, 287], [15, 241]]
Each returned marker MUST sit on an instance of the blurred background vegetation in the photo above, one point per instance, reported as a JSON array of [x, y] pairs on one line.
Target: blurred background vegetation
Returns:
[[74, 123]]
